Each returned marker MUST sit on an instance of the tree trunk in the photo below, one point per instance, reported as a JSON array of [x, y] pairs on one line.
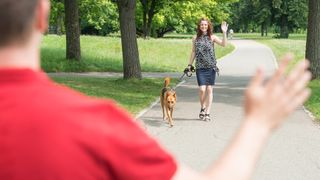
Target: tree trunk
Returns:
[[313, 38], [284, 30], [150, 16], [266, 30], [162, 32], [262, 30], [246, 28], [130, 53], [72, 29], [145, 10]]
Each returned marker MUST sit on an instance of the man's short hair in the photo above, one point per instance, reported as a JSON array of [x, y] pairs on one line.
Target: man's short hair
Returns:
[[16, 20]]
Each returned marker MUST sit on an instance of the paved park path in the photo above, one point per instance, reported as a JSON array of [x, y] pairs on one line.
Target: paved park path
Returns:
[[293, 152]]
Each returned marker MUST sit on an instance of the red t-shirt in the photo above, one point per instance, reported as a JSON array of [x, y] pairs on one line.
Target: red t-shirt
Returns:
[[51, 132]]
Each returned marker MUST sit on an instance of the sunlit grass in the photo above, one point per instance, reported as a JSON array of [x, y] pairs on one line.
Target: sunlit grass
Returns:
[[103, 54], [133, 95], [313, 104]]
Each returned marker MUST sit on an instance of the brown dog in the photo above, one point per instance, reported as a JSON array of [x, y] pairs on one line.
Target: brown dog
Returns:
[[168, 100]]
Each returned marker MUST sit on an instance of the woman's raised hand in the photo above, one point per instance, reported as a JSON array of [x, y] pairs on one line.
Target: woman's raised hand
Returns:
[[224, 27]]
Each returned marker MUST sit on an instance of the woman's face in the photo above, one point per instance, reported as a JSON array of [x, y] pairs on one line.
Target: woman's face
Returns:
[[204, 26]]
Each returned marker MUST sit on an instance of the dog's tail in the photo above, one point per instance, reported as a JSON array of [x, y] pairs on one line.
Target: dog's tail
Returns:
[[166, 82]]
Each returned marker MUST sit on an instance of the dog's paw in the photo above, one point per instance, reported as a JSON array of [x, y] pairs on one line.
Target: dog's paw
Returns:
[[171, 123]]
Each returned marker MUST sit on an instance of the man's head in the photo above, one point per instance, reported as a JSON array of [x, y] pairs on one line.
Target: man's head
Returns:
[[19, 19]]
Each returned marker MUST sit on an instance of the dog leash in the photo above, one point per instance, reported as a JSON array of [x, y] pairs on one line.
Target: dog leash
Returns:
[[187, 72]]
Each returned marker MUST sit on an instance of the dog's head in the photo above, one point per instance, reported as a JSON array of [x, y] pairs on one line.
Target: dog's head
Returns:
[[171, 98]]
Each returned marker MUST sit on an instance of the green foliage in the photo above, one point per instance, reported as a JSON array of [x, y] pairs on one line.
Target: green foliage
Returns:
[[56, 6], [98, 17], [56, 12], [241, 19], [296, 10], [102, 15], [182, 16], [251, 15]]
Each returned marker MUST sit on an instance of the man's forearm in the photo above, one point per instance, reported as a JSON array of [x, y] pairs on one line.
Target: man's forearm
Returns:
[[240, 157]]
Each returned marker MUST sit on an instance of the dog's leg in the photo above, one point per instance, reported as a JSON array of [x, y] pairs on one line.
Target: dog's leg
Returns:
[[169, 117], [162, 106]]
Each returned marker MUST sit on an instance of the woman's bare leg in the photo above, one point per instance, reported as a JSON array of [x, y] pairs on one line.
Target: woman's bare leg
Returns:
[[209, 97], [202, 96]]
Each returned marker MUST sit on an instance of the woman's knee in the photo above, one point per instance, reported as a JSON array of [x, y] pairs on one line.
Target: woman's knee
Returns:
[[202, 89], [209, 89]]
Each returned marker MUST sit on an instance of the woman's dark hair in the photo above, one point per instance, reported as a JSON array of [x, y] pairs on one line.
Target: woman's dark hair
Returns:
[[16, 20], [209, 31]]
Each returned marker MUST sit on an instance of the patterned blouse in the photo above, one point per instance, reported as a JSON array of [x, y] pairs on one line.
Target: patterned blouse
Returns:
[[204, 53]]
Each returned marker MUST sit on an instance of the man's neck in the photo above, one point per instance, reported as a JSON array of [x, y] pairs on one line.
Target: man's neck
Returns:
[[19, 57]]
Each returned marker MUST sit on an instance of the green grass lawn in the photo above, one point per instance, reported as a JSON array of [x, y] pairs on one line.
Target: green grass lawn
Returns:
[[295, 44], [313, 104], [133, 95], [257, 36], [102, 54]]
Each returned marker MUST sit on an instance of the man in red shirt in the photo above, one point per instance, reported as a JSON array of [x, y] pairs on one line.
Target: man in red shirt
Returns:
[[51, 132]]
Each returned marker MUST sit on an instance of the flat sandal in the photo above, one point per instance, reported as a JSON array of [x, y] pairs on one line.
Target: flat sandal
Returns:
[[207, 117], [202, 113]]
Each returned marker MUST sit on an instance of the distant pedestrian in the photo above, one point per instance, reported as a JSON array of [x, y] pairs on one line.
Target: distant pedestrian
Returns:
[[231, 33]]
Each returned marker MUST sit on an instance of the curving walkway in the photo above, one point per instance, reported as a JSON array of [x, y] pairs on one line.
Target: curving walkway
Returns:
[[293, 152]]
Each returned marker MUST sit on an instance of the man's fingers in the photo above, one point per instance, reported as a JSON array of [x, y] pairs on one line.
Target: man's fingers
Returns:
[[299, 85], [298, 100], [278, 76], [296, 74], [295, 85], [258, 78]]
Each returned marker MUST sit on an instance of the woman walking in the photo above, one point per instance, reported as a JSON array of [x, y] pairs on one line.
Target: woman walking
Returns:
[[206, 64]]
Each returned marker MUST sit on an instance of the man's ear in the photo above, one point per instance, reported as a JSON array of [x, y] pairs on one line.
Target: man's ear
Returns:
[[42, 15]]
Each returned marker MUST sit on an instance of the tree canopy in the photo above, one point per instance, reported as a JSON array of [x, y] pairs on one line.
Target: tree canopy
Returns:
[[156, 17]]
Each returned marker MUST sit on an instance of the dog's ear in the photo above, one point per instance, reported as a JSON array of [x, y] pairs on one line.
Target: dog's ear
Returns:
[[174, 95]]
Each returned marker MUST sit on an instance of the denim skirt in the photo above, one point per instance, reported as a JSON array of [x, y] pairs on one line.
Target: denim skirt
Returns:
[[206, 76]]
